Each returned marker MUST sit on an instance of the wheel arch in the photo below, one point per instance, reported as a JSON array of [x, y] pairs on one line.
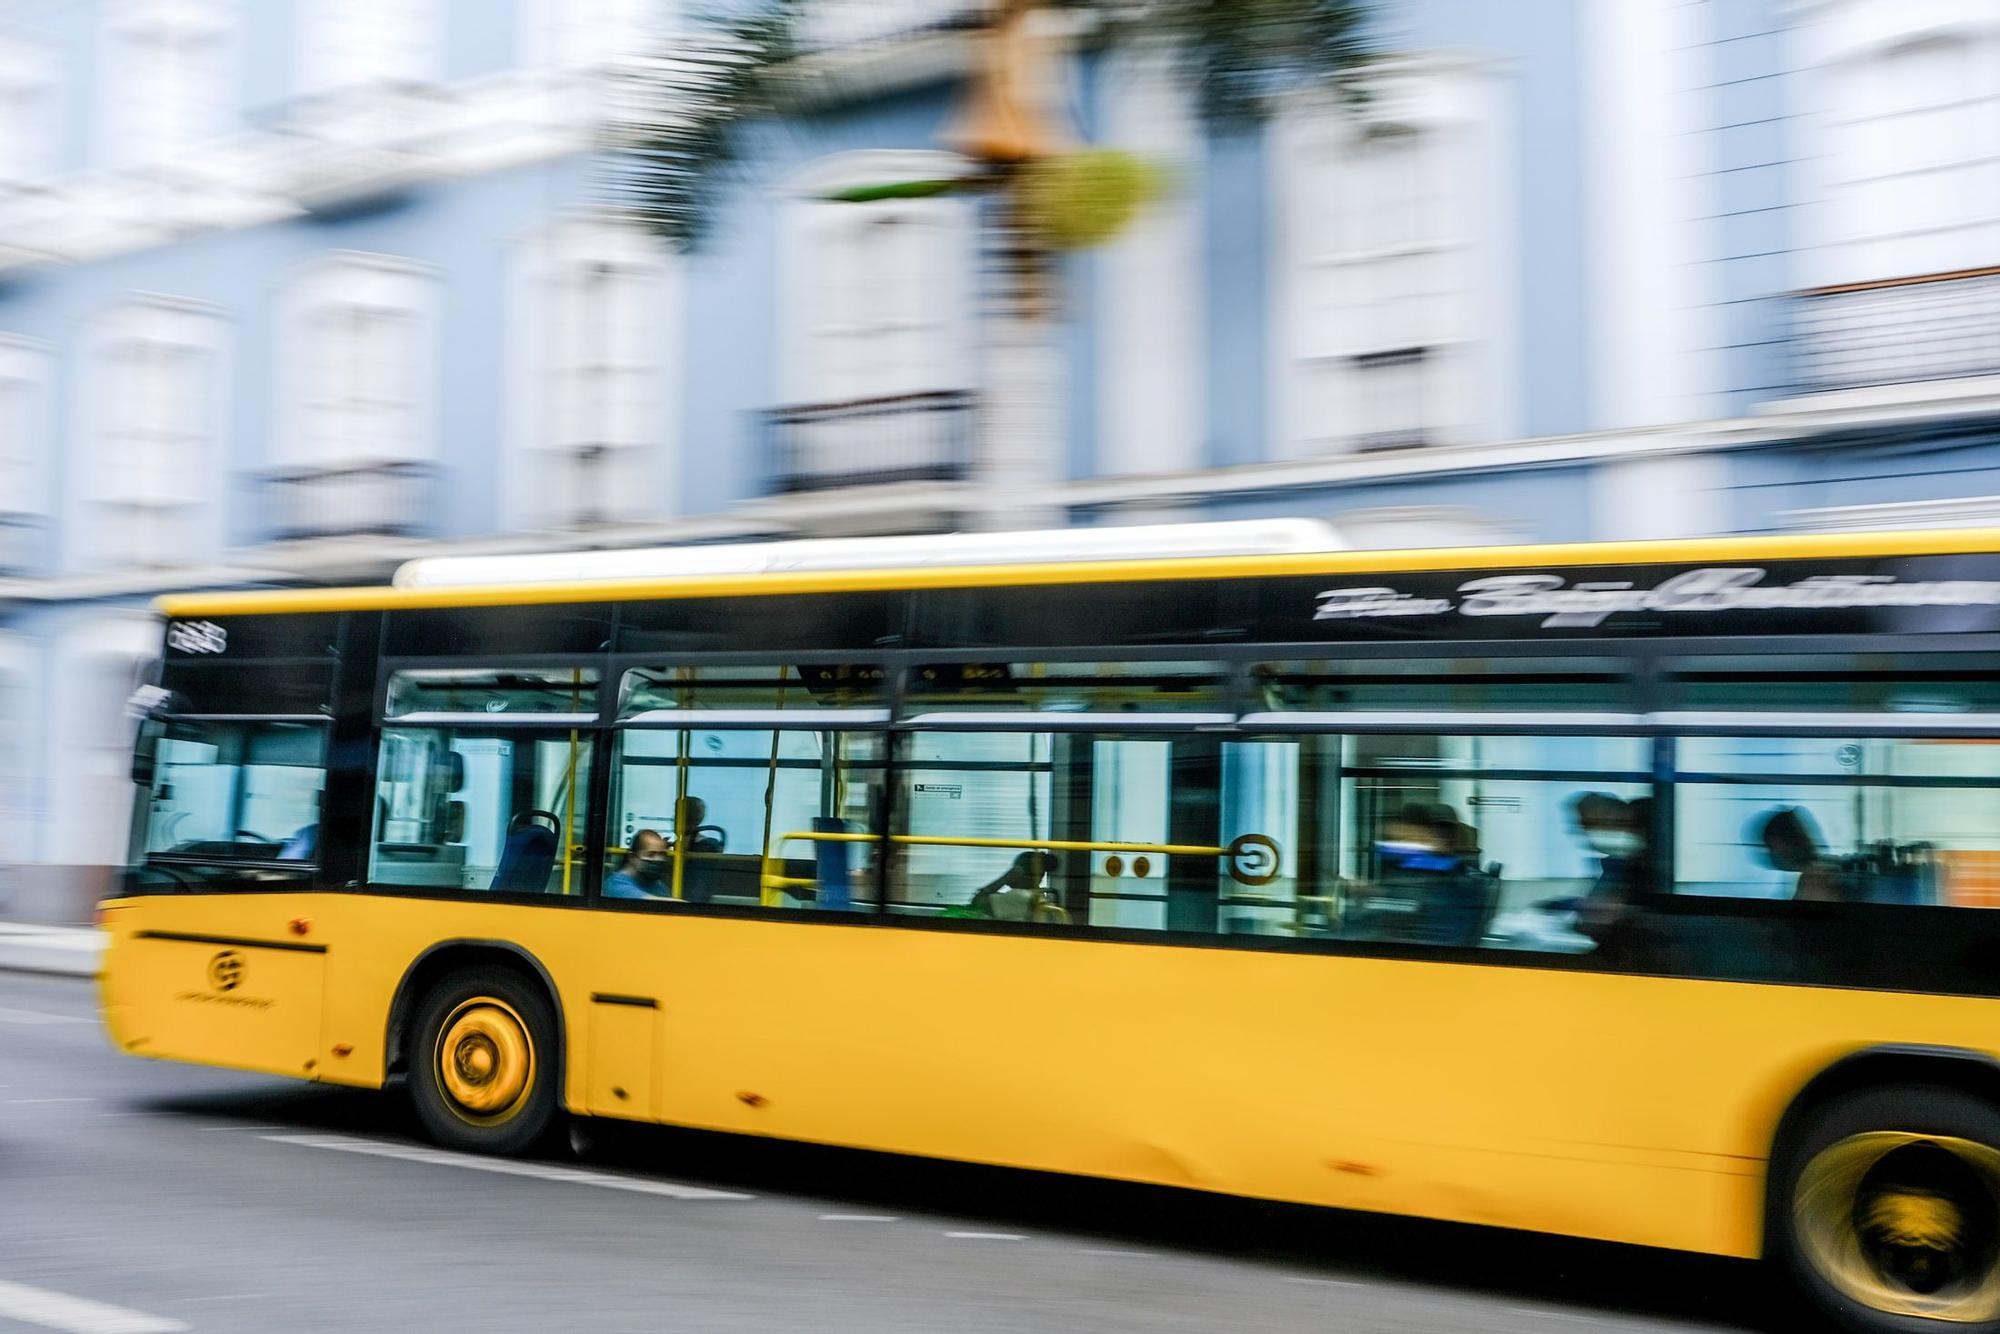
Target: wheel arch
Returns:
[[1881, 1066], [447, 957]]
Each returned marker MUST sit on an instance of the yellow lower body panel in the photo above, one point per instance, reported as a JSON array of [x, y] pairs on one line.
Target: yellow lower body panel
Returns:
[[1623, 1108]]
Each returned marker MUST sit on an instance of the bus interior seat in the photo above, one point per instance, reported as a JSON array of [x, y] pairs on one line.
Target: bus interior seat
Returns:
[[529, 855]]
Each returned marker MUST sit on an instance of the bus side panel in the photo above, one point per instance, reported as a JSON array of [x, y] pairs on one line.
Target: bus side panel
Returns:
[[184, 981]]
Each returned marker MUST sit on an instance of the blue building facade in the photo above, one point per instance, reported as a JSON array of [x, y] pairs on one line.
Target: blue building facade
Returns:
[[293, 290]]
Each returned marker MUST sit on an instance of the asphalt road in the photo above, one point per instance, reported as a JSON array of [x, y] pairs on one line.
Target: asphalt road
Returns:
[[137, 1197]]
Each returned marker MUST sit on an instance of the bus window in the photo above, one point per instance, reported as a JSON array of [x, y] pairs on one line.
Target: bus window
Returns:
[[441, 691], [230, 804], [480, 810], [1847, 820], [1514, 842], [744, 817]]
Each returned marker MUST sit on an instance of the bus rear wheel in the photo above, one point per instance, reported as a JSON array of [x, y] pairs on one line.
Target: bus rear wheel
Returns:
[[1886, 1211], [483, 1072]]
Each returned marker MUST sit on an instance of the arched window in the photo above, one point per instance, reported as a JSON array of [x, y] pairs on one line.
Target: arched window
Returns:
[[877, 295], [347, 44], [24, 450], [592, 32], [1900, 114], [169, 76], [19, 709], [27, 110], [153, 398], [596, 321], [1389, 224], [359, 337], [876, 313]]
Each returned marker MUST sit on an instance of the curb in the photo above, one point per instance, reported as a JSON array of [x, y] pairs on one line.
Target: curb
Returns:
[[50, 951]]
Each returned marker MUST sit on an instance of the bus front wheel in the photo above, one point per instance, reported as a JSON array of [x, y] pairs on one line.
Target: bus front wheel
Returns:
[[483, 1069], [1886, 1210]]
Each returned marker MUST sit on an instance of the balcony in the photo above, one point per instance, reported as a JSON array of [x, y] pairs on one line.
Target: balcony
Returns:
[[21, 537], [1899, 331], [871, 441], [387, 499]]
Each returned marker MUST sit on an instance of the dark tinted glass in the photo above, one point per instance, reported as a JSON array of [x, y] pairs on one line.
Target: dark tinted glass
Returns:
[[580, 628]]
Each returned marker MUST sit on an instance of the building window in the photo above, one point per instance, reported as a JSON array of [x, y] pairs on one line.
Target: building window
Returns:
[[875, 296], [1391, 294], [154, 391], [1912, 182], [877, 283], [23, 436], [594, 316], [1385, 285], [361, 43], [168, 92], [27, 105], [593, 32], [359, 336]]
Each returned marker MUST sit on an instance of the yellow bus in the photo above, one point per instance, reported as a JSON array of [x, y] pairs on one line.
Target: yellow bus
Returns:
[[1630, 891]]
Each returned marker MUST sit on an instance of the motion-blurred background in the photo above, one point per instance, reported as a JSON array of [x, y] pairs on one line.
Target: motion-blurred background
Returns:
[[294, 290]]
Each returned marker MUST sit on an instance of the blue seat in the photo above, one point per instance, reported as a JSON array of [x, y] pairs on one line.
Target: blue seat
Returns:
[[528, 856]]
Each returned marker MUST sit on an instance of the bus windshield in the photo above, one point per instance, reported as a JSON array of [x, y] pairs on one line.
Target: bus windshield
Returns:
[[239, 798]]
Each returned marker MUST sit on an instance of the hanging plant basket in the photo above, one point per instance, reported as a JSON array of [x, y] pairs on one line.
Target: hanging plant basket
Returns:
[[1077, 200]]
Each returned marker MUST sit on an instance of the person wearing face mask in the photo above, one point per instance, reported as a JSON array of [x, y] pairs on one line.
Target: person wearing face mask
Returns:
[[1615, 831], [643, 873], [1428, 889]]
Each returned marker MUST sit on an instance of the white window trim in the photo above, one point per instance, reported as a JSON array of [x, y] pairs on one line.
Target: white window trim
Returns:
[[31, 71], [20, 755], [538, 263], [90, 540], [802, 197], [31, 361], [312, 78], [110, 144], [1458, 94], [1831, 36], [299, 299]]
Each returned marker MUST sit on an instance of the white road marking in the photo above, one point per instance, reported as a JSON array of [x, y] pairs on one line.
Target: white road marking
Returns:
[[23, 1102], [13, 1016], [239, 1128], [78, 1315], [988, 1236], [575, 1176], [859, 1218]]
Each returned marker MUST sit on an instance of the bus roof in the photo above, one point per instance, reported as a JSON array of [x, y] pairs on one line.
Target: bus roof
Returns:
[[546, 583]]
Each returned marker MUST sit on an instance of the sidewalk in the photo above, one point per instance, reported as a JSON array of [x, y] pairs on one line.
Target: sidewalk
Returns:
[[69, 950]]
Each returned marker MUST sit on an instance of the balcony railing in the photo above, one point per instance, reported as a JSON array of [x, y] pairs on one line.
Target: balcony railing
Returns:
[[1935, 327], [21, 537], [386, 499], [903, 438]]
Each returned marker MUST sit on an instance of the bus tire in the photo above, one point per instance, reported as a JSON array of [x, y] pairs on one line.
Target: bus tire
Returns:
[[1885, 1210], [483, 1063]]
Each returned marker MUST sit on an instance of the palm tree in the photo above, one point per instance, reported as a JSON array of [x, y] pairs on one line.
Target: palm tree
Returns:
[[694, 107]]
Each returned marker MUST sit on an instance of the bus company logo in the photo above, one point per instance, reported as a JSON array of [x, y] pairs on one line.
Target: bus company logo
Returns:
[[225, 971], [1592, 602], [197, 637]]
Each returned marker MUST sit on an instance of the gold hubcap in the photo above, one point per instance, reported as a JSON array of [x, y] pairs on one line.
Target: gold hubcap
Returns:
[[1905, 1224], [485, 1061]]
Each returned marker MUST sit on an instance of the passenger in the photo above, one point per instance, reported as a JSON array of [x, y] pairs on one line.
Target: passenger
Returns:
[[1018, 894], [1616, 831], [1791, 844], [643, 873], [696, 836], [1429, 890]]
